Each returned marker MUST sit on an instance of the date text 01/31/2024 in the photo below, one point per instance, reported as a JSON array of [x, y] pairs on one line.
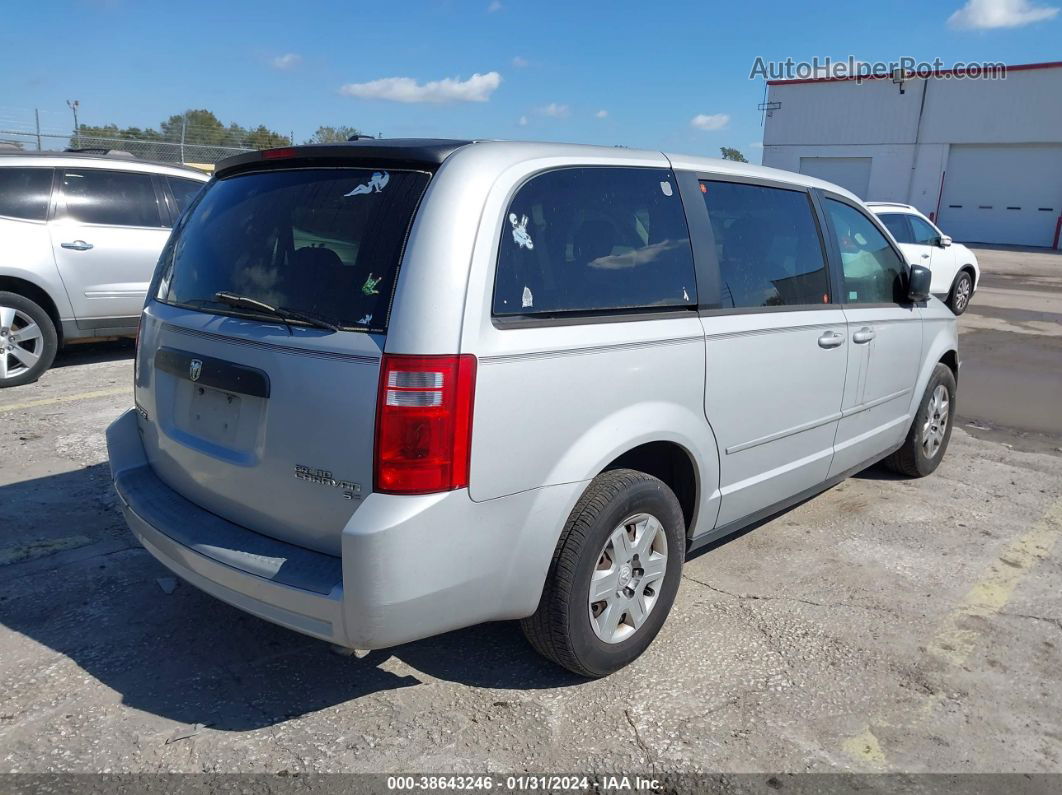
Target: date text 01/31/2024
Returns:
[[521, 783]]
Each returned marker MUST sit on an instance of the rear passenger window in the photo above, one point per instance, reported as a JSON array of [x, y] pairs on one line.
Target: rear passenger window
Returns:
[[112, 198], [897, 224], [24, 192], [768, 246], [595, 239], [873, 272]]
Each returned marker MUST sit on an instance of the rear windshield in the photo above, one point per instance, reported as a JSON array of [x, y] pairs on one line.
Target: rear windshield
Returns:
[[320, 242]]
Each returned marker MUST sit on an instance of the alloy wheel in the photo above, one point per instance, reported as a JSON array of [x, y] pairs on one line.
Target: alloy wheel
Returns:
[[21, 342], [936, 424], [962, 293]]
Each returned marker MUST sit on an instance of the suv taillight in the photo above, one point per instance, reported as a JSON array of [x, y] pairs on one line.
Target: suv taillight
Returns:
[[136, 351], [424, 423]]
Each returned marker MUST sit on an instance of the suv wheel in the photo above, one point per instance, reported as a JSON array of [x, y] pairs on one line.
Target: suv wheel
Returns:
[[27, 340], [924, 447], [961, 291], [613, 577]]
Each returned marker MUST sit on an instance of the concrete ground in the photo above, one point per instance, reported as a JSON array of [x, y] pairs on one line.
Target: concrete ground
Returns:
[[888, 624]]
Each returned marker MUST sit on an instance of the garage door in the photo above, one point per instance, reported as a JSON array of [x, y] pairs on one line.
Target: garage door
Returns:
[[852, 173], [1002, 194]]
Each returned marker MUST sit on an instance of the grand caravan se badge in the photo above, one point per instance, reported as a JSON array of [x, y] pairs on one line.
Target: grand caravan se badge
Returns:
[[322, 477]]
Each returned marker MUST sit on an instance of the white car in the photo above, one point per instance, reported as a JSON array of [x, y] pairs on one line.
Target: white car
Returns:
[[954, 267], [79, 238]]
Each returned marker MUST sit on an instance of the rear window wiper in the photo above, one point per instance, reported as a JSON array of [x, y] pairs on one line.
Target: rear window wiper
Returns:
[[280, 312]]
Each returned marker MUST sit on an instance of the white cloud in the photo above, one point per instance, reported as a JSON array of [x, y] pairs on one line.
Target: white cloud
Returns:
[[286, 61], [555, 111], [520, 62], [988, 14], [601, 114], [495, 5], [523, 121], [477, 88], [710, 121]]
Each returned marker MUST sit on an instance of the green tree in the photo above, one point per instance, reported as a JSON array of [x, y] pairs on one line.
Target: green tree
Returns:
[[261, 137], [331, 135], [195, 128], [730, 153]]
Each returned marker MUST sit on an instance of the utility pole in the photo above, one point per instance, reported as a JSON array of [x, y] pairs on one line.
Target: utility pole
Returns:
[[37, 118], [184, 129], [74, 104]]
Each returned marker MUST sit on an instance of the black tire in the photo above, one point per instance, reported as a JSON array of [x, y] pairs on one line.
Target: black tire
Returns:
[[45, 347], [561, 629], [961, 292], [912, 459]]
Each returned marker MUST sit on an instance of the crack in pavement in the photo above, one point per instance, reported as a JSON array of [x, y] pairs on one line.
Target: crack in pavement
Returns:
[[1055, 622], [762, 598], [639, 741]]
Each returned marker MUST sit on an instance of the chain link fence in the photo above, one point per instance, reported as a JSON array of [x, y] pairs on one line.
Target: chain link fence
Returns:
[[31, 131]]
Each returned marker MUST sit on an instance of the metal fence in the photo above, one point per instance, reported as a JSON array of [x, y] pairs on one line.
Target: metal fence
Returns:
[[143, 148], [29, 130]]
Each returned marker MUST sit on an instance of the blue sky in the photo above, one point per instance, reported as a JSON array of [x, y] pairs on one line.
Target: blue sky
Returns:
[[546, 70]]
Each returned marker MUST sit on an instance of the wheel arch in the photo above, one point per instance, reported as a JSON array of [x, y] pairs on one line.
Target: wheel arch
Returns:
[[951, 359], [671, 463], [968, 269]]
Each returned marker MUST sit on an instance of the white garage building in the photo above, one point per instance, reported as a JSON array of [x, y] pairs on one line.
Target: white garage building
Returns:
[[982, 157]]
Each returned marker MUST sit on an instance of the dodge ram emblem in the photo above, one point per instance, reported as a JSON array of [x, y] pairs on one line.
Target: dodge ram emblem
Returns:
[[195, 369]]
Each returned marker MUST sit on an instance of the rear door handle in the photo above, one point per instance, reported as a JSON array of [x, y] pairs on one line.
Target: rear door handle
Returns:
[[925, 256], [77, 245], [831, 339], [865, 334]]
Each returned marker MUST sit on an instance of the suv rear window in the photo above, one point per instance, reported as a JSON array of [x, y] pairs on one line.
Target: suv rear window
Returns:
[[325, 242], [595, 240]]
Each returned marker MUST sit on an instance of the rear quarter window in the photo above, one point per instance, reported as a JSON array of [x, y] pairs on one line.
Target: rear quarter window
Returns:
[[25, 192], [588, 240], [324, 241]]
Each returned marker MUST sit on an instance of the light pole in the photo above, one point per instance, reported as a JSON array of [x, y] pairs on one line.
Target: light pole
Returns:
[[73, 105]]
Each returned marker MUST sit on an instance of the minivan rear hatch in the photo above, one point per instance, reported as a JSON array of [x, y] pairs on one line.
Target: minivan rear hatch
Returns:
[[260, 350]]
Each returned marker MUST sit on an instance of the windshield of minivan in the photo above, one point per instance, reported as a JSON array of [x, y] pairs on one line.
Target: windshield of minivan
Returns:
[[320, 242]]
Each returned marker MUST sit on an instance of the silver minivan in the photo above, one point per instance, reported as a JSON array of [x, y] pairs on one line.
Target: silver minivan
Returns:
[[388, 389]]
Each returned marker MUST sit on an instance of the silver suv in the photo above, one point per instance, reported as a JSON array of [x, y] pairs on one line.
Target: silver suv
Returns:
[[388, 389], [79, 239]]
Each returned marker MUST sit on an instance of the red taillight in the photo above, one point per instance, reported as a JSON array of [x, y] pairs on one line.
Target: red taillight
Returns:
[[277, 154], [424, 423]]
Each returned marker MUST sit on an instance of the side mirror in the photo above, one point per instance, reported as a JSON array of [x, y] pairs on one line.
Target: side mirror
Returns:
[[943, 241], [918, 284]]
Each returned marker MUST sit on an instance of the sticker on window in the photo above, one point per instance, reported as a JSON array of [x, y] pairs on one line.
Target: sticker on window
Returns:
[[376, 183], [527, 299], [520, 235], [665, 188], [365, 320], [369, 288]]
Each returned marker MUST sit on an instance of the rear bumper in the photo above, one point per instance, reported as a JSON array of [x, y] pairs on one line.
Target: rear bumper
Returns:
[[410, 566]]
